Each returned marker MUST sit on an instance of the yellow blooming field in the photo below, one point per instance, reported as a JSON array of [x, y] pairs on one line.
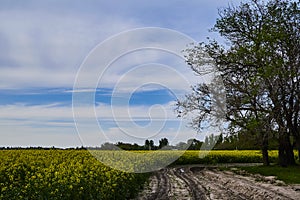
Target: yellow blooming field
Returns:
[[76, 174], [62, 174], [225, 156]]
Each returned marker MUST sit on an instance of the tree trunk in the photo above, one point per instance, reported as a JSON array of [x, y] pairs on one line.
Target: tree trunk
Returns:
[[265, 155], [286, 153], [281, 155], [298, 148], [297, 145], [265, 146]]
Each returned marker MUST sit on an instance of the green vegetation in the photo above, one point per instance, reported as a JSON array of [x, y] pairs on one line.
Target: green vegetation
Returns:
[[256, 85], [289, 174]]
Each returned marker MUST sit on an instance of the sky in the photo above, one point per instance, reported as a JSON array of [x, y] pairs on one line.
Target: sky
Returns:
[[76, 73]]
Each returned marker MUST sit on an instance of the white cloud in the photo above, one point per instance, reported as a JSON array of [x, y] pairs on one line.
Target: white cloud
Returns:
[[49, 125], [135, 58], [43, 44], [102, 111], [25, 136], [46, 50]]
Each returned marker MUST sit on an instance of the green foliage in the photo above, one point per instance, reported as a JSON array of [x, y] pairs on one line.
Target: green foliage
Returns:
[[246, 140], [163, 142], [260, 73], [289, 174]]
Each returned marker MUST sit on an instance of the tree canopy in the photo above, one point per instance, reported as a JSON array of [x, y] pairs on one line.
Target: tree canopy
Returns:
[[260, 73]]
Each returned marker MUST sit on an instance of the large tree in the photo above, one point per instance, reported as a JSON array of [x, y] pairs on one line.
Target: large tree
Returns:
[[260, 73]]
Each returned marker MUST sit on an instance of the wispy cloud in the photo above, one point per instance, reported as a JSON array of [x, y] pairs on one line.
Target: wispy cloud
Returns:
[[44, 43], [42, 49], [49, 121], [42, 46]]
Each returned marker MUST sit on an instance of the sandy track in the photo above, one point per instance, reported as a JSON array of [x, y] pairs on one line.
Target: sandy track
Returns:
[[197, 183]]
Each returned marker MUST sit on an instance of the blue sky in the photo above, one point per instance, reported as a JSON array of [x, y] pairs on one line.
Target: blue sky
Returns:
[[43, 46]]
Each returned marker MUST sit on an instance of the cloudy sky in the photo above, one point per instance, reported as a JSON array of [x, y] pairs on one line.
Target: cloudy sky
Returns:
[[78, 73]]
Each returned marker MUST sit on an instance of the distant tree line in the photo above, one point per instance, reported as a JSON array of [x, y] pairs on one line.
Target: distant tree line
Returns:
[[42, 148], [244, 141], [148, 145]]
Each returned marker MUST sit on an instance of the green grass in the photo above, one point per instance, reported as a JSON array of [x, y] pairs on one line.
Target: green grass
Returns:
[[289, 174]]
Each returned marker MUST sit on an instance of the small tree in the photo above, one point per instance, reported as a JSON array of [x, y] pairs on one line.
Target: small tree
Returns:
[[163, 142], [147, 145], [151, 145]]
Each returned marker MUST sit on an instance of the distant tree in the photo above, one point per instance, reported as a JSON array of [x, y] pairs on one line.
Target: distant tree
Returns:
[[129, 146], [210, 141], [220, 139], [194, 144], [163, 142], [206, 142], [147, 145], [108, 146], [151, 145], [181, 146], [135, 146]]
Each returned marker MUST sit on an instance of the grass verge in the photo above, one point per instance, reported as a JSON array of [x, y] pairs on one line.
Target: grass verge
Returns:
[[290, 175]]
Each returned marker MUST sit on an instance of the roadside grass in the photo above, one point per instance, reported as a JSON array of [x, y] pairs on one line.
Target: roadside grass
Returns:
[[290, 175]]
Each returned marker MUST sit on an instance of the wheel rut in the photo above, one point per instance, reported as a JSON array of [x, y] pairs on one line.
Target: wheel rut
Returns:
[[202, 183]]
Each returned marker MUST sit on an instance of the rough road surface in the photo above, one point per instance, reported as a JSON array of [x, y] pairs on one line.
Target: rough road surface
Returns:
[[199, 183]]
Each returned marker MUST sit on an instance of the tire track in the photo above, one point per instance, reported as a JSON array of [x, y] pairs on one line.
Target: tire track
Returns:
[[163, 186], [216, 189], [244, 186], [201, 183], [197, 191]]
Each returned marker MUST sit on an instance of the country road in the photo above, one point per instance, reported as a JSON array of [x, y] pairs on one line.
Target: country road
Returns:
[[197, 183]]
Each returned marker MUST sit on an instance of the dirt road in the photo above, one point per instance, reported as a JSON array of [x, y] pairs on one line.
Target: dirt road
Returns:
[[210, 183]]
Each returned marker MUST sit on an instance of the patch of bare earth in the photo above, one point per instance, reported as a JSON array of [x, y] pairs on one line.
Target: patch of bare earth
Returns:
[[199, 183]]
